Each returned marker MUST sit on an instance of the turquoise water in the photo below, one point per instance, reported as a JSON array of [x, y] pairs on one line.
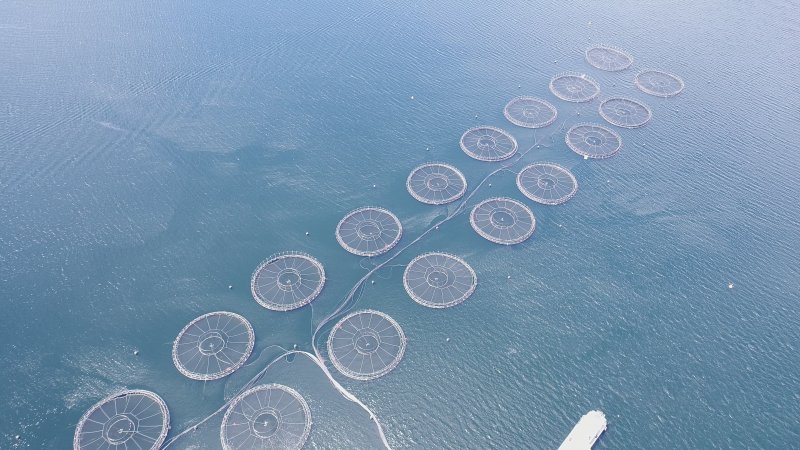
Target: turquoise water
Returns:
[[151, 156]]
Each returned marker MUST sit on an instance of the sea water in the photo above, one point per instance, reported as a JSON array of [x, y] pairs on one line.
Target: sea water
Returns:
[[151, 155]]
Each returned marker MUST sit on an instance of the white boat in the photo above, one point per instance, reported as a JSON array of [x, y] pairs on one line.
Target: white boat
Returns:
[[586, 432]]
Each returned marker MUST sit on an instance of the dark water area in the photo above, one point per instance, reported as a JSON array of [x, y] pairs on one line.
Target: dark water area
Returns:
[[152, 155]]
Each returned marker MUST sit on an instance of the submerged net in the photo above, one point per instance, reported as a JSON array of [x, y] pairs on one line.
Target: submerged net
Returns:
[[625, 112], [270, 416], [593, 141], [436, 183], [287, 281], [530, 112], [369, 231], [488, 144], [546, 183], [213, 345], [439, 280], [126, 420], [608, 58], [503, 220], [658, 83], [574, 87], [366, 345]]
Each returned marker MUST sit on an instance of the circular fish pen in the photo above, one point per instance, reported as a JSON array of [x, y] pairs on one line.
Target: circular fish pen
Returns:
[[530, 112], [213, 346], [607, 58], [365, 345], [126, 420], [547, 183], [436, 183], [268, 416], [488, 144], [593, 141], [287, 281], [369, 231], [658, 83], [625, 112], [574, 87], [503, 220], [439, 280]]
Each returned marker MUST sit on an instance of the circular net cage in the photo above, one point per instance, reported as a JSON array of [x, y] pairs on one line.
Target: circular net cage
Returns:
[[593, 141], [436, 183], [269, 416], [625, 112], [287, 281], [439, 280], [213, 345], [503, 220], [366, 345], [488, 144], [530, 112], [658, 83], [574, 87], [546, 183], [369, 231], [608, 58], [131, 419]]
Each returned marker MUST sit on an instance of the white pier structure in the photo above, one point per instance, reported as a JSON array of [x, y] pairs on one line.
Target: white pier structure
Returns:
[[586, 432]]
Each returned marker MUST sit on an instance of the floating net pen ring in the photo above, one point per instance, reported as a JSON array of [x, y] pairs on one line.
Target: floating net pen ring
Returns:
[[213, 346], [287, 281], [574, 87], [593, 141], [439, 280], [530, 112], [625, 112], [502, 220], [436, 183], [369, 231], [547, 183], [658, 83], [608, 58], [268, 416], [128, 419], [488, 144], [366, 344]]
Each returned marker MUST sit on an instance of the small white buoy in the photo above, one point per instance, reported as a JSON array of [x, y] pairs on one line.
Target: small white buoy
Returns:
[[373, 281], [537, 146], [585, 156], [437, 227], [136, 353], [230, 286], [519, 86], [17, 437], [476, 116], [294, 346], [509, 277], [307, 233], [447, 340], [490, 184], [412, 97], [730, 285], [427, 148], [579, 113], [374, 186]]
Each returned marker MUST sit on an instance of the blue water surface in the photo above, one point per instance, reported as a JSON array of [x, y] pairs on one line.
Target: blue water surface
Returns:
[[152, 154]]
